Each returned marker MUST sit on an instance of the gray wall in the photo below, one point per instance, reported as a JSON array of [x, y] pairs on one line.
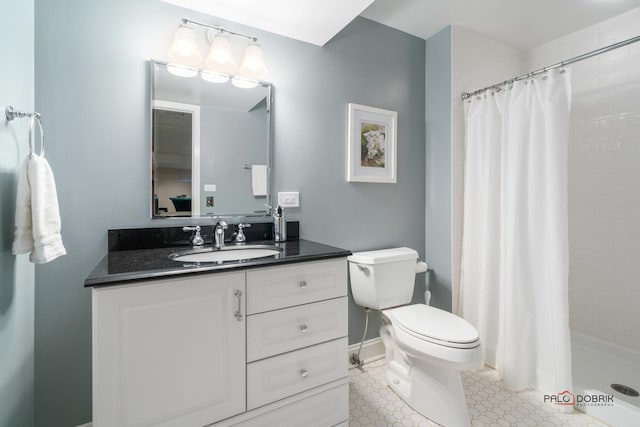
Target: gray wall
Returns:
[[16, 273], [92, 87], [438, 167]]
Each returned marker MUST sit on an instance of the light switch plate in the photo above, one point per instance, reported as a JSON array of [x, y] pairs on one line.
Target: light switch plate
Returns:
[[209, 187], [290, 199]]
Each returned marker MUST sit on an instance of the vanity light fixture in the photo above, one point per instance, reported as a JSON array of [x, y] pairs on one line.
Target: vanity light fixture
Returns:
[[252, 66], [184, 50], [220, 64], [220, 58]]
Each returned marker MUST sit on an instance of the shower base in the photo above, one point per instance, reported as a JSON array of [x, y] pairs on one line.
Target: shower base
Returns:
[[597, 365]]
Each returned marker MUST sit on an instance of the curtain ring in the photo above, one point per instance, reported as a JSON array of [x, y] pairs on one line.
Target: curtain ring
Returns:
[[34, 118]]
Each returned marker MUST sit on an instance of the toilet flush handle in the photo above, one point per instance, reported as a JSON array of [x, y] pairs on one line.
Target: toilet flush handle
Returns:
[[364, 269]]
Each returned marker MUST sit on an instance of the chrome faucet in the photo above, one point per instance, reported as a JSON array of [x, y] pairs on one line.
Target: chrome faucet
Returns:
[[219, 233]]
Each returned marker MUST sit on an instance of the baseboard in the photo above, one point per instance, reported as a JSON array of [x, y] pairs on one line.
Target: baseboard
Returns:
[[372, 350]]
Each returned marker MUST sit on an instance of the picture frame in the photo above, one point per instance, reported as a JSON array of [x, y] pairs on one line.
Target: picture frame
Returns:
[[372, 146]]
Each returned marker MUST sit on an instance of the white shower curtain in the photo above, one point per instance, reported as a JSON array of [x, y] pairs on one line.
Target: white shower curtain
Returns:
[[514, 281]]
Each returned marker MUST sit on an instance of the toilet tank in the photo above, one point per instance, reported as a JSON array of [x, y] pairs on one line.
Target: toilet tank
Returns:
[[384, 278]]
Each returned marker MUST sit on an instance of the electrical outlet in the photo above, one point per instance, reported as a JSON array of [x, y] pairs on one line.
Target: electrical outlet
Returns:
[[289, 199]]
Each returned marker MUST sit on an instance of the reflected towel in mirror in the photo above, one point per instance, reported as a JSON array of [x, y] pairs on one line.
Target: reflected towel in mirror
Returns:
[[259, 180]]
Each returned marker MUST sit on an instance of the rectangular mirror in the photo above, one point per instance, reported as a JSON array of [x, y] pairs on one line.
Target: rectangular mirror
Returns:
[[210, 146]]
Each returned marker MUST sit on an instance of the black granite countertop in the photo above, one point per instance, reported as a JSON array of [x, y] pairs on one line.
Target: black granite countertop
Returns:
[[123, 266]]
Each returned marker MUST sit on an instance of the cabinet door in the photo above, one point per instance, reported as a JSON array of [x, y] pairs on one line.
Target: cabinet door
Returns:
[[169, 352]]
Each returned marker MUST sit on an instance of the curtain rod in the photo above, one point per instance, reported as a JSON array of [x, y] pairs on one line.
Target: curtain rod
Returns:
[[561, 64]]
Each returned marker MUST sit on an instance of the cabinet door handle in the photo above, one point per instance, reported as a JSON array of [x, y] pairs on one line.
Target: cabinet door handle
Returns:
[[303, 328], [304, 373], [303, 284], [238, 313]]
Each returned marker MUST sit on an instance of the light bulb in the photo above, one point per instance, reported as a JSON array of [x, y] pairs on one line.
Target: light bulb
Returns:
[[184, 49], [220, 59], [253, 66]]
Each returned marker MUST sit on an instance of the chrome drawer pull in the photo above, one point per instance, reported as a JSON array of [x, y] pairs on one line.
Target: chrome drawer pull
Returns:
[[303, 284], [303, 329], [238, 313], [304, 373]]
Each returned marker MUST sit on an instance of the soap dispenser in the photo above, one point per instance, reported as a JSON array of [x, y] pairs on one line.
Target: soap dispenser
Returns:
[[279, 225]]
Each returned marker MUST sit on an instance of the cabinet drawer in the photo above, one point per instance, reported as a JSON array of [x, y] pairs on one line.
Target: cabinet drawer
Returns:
[[281, 376], [292, 328], [328, 408], [279, 287]]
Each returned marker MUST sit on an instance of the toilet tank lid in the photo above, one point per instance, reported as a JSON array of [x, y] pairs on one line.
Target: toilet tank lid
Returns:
[[383, 255]]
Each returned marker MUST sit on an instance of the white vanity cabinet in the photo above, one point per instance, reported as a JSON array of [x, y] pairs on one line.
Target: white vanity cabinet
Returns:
[[174, 353], [169, 352]]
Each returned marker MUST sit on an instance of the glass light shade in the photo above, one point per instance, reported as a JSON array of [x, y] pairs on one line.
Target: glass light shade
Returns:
[[184, 49], [181, 70], [253, 66], [214, 77], [220, 58], [243, 83]]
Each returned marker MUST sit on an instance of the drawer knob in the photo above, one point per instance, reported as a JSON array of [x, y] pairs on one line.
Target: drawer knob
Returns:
[[303, 329], [303, 284], [304, 373]]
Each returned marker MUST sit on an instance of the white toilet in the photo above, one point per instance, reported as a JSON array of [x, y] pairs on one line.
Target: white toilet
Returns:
[[425, 347]]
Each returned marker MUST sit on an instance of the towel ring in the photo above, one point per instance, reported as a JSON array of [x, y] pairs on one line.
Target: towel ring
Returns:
[[33, 120]]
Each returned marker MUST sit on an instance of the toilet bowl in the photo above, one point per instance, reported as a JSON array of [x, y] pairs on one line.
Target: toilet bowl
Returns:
[[425, 348]]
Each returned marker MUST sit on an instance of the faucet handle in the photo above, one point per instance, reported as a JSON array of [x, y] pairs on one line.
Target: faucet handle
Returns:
[[196, 240], [239, 235]]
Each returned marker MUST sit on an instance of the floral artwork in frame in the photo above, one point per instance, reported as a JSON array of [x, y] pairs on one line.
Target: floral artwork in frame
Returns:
[[372, 144]]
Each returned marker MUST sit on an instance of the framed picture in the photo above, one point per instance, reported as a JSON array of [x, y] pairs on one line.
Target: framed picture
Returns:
[[372, 144]]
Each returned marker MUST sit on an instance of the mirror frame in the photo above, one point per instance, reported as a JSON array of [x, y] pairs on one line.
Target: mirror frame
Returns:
[[153, 102]]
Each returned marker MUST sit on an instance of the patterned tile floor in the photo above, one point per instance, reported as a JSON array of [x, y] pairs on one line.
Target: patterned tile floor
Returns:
[[372, 403]]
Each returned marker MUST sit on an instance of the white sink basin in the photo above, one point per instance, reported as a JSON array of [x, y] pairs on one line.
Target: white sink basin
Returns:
[[233, 253]]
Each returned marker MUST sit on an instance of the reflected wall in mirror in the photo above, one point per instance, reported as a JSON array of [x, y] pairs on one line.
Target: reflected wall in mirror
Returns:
[[210, 147]]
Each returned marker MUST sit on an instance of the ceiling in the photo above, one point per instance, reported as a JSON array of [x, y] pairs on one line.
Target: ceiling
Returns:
[[311, 21], [522, 24]]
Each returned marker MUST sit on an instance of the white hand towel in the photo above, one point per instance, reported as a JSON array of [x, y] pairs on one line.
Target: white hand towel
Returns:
[[45, 213], [23, 242], [259, 180], [37, 213]]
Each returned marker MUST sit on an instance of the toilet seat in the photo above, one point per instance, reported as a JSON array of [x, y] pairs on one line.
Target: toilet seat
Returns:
[[434, 325]]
